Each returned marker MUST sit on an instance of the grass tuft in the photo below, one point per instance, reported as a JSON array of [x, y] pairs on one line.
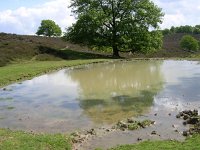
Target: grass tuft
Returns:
[[192, 143], [18, 140]]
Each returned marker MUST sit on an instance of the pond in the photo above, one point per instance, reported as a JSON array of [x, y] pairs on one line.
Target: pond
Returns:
[[99, 94]]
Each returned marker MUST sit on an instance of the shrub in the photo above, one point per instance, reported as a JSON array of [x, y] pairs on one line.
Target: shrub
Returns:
[[189, 43]]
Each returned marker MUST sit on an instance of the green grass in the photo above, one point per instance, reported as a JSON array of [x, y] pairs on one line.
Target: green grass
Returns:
[[21, 71], [18, 140], [192, 143]]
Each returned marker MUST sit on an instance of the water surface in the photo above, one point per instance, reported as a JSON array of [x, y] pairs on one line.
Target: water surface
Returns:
[[99, 94]]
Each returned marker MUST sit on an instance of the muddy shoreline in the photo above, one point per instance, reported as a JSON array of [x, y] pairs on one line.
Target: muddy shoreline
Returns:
[[168, 128], [173, 128]]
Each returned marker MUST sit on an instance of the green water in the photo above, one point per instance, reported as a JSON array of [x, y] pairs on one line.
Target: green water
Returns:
[[123, 89]]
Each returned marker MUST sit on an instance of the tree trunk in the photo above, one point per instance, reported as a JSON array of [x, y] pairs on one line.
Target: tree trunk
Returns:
[[115, 51], [114, 32]]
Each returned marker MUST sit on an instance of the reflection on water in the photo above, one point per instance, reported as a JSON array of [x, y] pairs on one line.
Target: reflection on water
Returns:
[[120, 90], [98, 94], [182, 85]]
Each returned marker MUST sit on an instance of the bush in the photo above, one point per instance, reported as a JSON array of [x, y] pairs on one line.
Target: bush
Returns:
[[189, 43]]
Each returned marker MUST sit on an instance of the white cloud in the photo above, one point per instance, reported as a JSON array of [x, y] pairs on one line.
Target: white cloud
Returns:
[[26, 20], [173, 20], [179, 12]]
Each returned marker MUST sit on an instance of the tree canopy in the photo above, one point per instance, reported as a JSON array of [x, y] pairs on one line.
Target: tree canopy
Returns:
[[189, 43], [127, 25], [182, 29], [49, 28]]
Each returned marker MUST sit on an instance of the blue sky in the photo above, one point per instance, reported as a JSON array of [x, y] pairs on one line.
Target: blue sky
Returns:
[[24, 16], [14, 4]]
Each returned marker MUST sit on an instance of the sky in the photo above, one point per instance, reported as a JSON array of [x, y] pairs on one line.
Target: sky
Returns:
[[24, 16]]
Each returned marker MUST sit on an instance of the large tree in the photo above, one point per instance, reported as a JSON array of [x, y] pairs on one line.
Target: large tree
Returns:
[[49, 28], [121, 24]]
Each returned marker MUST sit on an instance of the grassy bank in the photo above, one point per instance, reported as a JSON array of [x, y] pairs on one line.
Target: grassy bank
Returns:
[[18, 140], [27, 70], [26, 48], [192, 143]]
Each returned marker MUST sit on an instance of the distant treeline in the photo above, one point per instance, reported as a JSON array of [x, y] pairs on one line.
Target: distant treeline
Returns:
[[182, 29]]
